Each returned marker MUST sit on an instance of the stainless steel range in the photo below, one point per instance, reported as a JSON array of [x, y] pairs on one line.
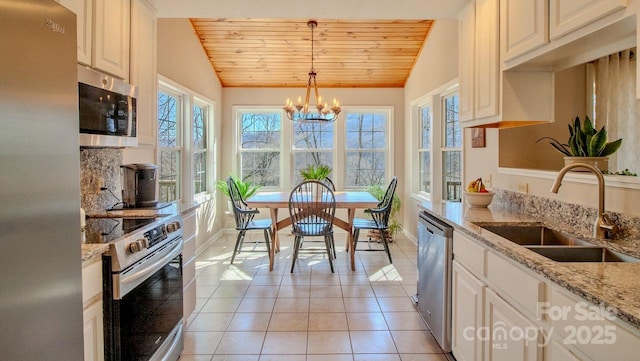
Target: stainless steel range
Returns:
[[142, 287]]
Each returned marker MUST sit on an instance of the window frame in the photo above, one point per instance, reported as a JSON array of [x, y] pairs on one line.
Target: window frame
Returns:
[[421, 149], [387, 151], [443, 142], [179, 147], [187, 157], [435, 98], [207, 150]]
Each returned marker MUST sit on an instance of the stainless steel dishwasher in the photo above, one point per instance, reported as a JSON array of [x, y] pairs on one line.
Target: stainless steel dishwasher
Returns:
[[435, 256]]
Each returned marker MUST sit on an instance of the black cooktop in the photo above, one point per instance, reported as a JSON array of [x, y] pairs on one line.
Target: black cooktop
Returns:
[[105, 230]]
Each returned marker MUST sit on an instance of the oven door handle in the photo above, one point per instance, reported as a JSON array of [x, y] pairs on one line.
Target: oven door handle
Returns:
[[130, 281]]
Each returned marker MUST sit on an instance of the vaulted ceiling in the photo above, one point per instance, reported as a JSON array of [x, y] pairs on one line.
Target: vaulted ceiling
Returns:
[[277, 52]]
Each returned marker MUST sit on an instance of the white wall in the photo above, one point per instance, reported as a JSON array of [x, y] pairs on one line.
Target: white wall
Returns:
[[437, 65], [182, 59]]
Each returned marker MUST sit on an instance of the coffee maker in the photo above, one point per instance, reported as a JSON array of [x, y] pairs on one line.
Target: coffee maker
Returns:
[[139, 185]]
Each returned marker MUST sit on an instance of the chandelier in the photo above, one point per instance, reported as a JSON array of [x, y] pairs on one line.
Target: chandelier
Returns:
[[306, 112]]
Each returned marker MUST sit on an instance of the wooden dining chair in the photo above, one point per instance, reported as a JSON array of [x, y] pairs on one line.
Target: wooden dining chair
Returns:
[[312, 208], [379, 220], [244, 217]]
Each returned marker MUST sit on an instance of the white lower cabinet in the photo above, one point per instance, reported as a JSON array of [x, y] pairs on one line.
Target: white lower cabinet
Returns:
[[510, 336], [93, 332], [93, 324], [189, 263], [467, 318], [504, 311]]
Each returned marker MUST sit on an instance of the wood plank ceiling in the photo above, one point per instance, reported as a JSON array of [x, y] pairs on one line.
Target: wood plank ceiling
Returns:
[[277, 52]]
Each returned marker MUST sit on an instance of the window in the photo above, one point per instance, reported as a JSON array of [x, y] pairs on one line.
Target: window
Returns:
[[313, 143], [366, 148], [260, 147], [273, 149], [170, 150], [185, 143], [438, 144], [424, 148], [199, 147], [451, 149]]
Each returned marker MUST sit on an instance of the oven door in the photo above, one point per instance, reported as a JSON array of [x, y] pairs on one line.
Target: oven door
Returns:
[[146, 321]]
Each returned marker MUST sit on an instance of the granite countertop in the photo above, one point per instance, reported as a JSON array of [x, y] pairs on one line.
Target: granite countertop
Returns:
[[90, 251], [610, 284]]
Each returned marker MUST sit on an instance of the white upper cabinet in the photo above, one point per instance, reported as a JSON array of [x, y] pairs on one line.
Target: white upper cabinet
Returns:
[[143, 68], [486, 94], [103, 34], [478, 60], [523, 26], [466, 59], [111, 36], [568, 15], [84, 16]]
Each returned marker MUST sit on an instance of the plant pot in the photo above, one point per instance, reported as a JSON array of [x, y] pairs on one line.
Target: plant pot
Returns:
[[601, 163]]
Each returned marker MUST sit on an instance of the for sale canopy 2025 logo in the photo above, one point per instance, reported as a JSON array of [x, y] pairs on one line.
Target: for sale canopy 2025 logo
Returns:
[[571, 325]]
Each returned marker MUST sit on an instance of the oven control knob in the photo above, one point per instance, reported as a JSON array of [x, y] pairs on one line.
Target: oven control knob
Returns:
[[137, 246], [173, 226]]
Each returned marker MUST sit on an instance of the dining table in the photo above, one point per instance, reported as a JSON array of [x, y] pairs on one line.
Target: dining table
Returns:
[[349, 200]]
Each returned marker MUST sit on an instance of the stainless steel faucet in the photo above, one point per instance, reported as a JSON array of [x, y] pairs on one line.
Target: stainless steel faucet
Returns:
[[603, 226]]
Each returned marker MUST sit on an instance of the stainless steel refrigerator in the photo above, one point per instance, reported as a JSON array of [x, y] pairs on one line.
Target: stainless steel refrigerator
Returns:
[[40, 256]]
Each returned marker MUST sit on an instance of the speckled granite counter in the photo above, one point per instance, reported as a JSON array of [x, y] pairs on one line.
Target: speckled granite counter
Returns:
[[92, 250], [615, 285]]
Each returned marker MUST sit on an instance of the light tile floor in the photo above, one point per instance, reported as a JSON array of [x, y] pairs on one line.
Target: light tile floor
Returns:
[[246, 313]]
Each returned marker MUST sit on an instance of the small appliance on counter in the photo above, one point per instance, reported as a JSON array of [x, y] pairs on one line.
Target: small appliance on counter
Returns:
[[139, 185]]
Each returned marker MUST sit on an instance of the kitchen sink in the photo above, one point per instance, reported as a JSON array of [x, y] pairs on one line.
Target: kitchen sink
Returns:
[[555, 245], [534, 235], [582, 254]]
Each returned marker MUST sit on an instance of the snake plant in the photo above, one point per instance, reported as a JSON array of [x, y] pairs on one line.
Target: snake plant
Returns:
[[585, 141]]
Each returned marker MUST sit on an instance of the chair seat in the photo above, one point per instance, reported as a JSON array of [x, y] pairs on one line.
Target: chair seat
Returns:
[[258, 224], [363, 223], [313, 229]]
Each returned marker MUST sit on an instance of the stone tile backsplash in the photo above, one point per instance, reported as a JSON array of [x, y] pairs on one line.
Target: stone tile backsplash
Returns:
[[95, 164], [570, 216]]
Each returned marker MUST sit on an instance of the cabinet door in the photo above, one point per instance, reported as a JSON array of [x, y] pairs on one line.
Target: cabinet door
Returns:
[[523, 26], [93, 332], [111, 37], [555, 351], [84, 17], [569, 15], [510, 336], [189, 263], [466, 58], [486, 59], [467, 320], [143, 68]]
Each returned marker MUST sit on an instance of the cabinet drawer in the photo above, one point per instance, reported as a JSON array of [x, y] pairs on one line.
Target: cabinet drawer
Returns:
[[188, 225], [188, 272], [189, 300], [189, 249], [470, 254], [515, 284], [91, 280], [589, 328]]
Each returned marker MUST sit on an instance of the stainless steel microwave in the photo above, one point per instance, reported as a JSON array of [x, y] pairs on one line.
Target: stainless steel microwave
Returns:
[[107, 110]]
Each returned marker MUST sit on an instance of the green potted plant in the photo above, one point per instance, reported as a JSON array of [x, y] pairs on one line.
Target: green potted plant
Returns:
[[395, 227], [317, 172], [586, 144], [247, 189]]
